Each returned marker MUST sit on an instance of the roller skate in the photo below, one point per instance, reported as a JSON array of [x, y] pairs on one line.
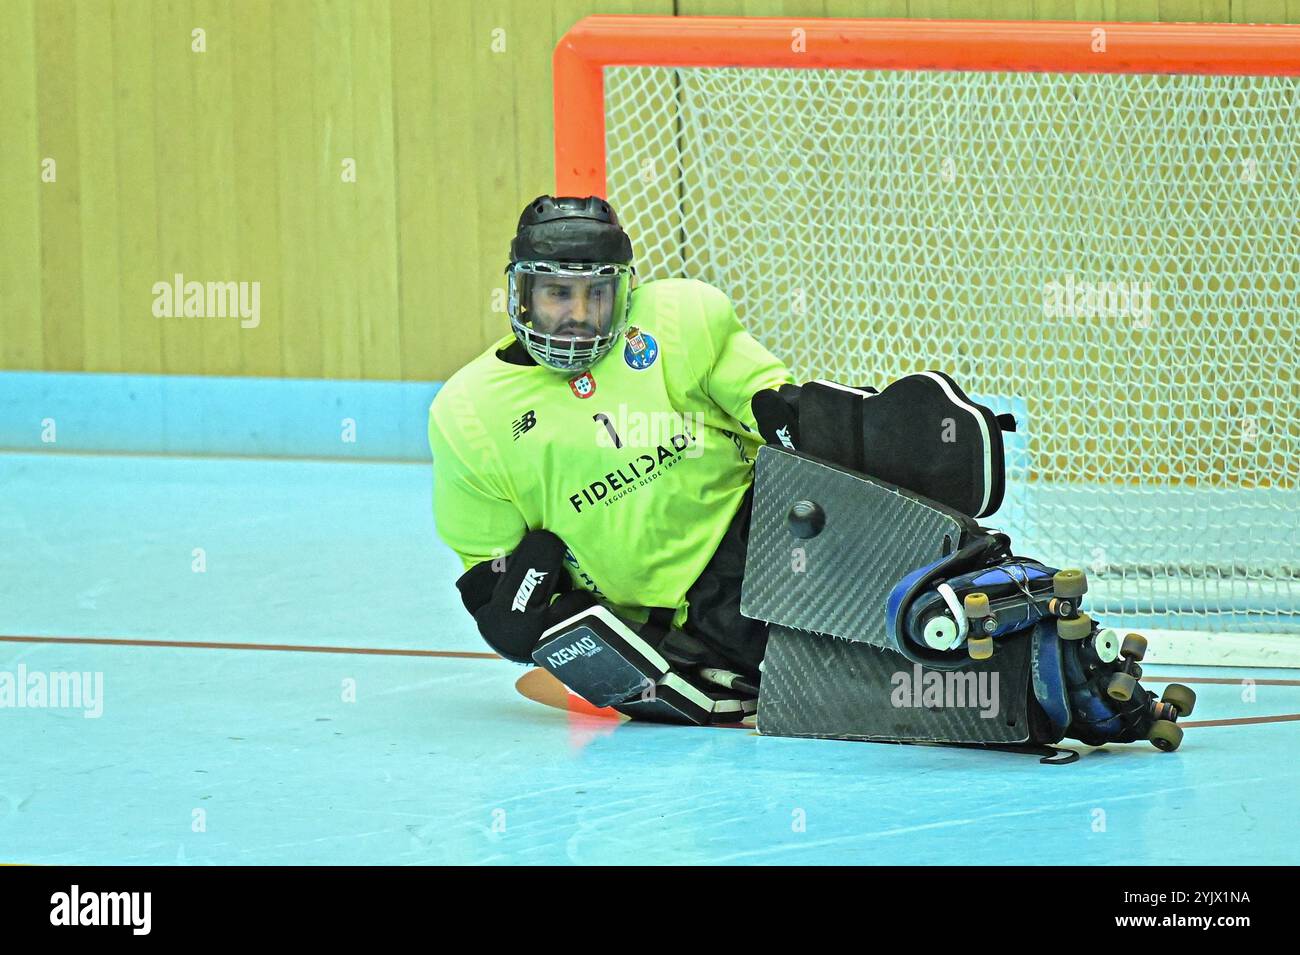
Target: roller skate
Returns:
[[970, 611], [956, 608], [1088, 688], [1085, 678]]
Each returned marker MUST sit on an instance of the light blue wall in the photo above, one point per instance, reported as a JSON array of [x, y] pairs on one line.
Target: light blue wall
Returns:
[[169, 414]]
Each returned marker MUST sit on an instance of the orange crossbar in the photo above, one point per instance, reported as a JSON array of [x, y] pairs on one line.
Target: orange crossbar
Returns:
[[1006, 45]]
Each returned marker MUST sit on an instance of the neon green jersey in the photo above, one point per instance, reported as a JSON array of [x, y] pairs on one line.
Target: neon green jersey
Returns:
[[638, 465]]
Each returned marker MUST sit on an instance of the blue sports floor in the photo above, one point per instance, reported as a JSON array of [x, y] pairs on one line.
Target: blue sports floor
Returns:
[[353, 715]]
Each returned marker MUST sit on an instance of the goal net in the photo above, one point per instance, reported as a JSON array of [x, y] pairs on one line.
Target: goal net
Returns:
[[1105, 242]]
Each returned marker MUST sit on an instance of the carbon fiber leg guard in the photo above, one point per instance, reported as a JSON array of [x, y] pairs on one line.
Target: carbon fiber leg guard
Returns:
[[862, 582], [827, 547], [820, 686]]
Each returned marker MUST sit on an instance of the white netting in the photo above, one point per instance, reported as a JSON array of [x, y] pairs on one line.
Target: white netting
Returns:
[[872, 223]]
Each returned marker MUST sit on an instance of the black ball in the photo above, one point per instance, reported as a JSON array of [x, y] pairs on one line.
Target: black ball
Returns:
[[806, 519]]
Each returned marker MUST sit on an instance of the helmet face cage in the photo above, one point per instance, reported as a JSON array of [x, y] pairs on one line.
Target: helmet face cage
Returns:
[[581, 315]]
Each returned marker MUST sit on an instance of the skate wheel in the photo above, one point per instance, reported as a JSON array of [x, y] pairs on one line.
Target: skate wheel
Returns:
[[1165, 735], [940, 633], [976, 605], [1075, 628], [1106, 645], [1134, 646], [1181, 698], [1069, 583], [980, 648], [1121, 686]]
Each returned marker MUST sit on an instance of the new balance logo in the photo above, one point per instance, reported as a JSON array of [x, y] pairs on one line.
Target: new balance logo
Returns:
[[784, 435], [531, 580], [525, 423]]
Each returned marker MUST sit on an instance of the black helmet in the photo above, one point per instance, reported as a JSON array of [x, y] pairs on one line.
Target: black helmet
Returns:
[[569, 276], [569, 229]]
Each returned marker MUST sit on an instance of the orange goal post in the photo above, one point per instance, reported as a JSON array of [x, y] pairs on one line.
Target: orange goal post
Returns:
[[1095, 226]]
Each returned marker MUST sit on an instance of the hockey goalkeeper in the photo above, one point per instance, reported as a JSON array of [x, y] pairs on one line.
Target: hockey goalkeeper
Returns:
[[593, 471]]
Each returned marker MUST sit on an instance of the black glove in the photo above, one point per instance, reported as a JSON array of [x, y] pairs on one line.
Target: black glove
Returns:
[[776, 411], [512, 605]]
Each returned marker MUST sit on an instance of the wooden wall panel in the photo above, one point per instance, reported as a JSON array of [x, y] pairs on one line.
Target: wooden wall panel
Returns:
[[21, 341], [297, 147], [256, 207], [135, 125], [176, 178], [227, 166], [97, 164], [63, 331], [418, 164]]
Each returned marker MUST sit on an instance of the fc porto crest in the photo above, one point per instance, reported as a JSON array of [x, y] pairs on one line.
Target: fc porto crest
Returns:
[[584, 385], [641, 349]]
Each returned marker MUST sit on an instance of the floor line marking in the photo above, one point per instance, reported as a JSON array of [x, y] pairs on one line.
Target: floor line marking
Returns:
[[472, 655], [1242, 720], [282, 647], [1219, 680]]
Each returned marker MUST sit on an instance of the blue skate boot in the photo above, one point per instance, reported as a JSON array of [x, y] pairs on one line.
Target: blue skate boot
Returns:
[[1088, 689], [969, 611], [954, 609], [1085, 678]]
